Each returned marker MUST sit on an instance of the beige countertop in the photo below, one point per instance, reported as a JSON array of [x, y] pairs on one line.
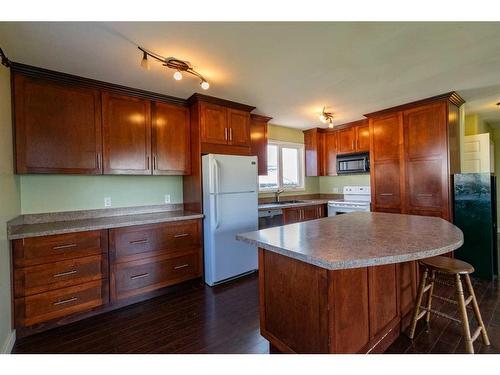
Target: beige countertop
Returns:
[[79, 221], [359, 239]]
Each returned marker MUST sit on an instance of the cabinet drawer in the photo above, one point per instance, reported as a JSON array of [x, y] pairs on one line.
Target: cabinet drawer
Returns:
[[58, 303], [149, 240], [134, 278], [45, 277], [48, 249]]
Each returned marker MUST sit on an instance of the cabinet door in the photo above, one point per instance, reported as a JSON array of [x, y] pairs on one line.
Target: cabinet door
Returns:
[[292, 215], [331, 153], [386, 188], [407, 282], [314, 144], [127, 135], [312, 212], [362, 138], [427, 160], [346, 140], [213, 123], [387, 172], [382, 295], [57, 126], [238, 127], [171, 140], [258, 139]]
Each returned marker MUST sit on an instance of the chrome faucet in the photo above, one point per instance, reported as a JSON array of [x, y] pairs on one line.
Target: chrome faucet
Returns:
[[277, 194]]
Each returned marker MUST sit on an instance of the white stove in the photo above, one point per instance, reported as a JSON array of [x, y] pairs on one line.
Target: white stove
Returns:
[[356, 198]]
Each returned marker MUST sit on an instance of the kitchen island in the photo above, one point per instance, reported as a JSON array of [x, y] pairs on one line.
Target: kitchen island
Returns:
[[343, 284]]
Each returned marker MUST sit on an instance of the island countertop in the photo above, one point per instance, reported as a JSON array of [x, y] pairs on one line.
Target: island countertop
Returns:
[[359, 239]]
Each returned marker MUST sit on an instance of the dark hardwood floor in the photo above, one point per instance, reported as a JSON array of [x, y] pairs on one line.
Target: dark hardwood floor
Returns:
[[225, 319]]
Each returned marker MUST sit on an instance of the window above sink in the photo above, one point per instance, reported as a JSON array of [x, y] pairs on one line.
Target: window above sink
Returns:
[[285, 167]]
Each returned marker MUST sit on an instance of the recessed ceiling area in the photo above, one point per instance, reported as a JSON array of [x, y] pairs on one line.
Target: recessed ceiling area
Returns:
[[288, 70]]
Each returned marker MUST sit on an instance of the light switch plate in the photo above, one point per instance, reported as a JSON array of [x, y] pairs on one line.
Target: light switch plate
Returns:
[[167, 198], [107, 202]]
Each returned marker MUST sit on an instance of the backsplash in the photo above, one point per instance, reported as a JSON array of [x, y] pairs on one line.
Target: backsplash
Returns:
[[54, 193]]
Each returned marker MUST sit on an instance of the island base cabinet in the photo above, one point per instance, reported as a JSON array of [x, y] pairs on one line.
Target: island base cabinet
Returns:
[[308, 309]]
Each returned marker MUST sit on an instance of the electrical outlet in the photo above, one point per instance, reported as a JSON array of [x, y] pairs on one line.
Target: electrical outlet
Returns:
[[107, 202], [335, 190], [167, 198]]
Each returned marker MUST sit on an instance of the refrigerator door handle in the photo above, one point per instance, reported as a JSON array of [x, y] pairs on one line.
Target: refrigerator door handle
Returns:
[[216, 193]]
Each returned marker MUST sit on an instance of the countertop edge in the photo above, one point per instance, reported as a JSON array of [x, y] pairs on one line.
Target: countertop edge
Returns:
[[90, 227], [305, 203], [357, 263]]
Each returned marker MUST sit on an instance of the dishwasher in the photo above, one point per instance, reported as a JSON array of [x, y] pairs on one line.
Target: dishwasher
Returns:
[[270, 218]]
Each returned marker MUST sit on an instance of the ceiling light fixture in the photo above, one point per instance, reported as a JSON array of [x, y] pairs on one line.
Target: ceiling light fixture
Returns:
[[326, 117], [171, 62]]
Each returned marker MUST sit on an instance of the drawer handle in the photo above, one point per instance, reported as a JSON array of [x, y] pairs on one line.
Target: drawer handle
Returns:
[[64, 301], [182, 266], [386, 194], [425, 195], [65, 273], [139, 276], [144, 240], [181, 235], [64, 246]]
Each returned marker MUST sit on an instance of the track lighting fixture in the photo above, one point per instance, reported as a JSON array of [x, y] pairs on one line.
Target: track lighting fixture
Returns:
[[179, 66], [326, 117]]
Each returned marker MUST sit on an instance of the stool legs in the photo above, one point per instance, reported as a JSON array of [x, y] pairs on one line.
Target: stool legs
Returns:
[[477, 313], [463, 314], [429, 297], [416, 311]]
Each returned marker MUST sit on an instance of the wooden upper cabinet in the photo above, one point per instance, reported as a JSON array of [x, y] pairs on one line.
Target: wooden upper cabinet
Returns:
[[57, 127], [346, 140], [314, 144], [213, 123], [363, 138], [331, 153], [258, 141], [417, 144], [238, 127], [426, 159], [126, 135], [387, 137], [171, 140], [387, 162]]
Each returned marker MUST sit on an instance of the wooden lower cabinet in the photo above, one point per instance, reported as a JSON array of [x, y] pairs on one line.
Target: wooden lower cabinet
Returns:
[[328, 311], [141, 276], [303, 213], [62, 278]]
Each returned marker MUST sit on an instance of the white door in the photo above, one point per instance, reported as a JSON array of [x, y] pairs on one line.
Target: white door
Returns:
[[226, 257], [477, 154], [236, 173]]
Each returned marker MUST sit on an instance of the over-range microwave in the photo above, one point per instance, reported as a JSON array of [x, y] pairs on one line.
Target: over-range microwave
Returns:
[[353, 163]]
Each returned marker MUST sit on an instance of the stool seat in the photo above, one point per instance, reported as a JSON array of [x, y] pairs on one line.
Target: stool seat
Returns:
[[448, 265]]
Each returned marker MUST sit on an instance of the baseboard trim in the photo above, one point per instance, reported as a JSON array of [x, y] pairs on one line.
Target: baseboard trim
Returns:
[[9, 343]]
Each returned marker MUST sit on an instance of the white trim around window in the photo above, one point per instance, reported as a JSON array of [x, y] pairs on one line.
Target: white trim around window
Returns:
[[300, 167]]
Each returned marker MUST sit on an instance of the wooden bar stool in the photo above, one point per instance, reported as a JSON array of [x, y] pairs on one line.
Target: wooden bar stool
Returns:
[[456, 268]]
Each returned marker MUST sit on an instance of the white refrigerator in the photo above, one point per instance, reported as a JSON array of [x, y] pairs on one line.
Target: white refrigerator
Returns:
[[230, 207]]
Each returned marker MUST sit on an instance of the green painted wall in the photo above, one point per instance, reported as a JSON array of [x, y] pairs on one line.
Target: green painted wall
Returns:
[[335, 184], [9, 204], [51, 193], [284, 134], [475, 125]]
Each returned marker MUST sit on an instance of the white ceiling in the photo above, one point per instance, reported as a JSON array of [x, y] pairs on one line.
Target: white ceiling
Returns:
[[287, 70]]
